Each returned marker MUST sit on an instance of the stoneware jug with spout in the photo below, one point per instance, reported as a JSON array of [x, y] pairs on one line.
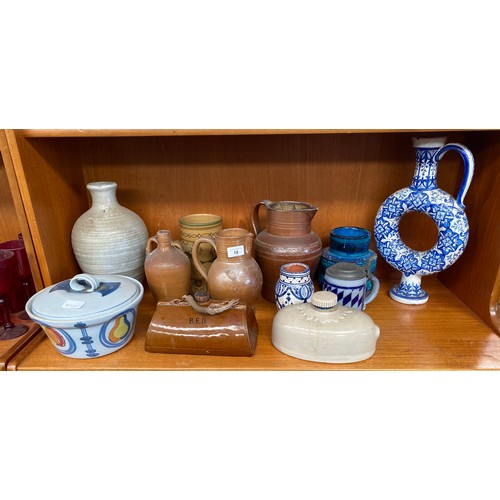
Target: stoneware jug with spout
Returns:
[[287, 238], [424, 196], [234, 274]]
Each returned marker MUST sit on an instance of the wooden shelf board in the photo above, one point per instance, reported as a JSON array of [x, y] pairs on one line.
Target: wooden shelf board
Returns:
[[440, 335], [54, 133], [9, 348]]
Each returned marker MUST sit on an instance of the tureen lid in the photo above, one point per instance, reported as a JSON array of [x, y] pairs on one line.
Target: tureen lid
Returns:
[[84, 296]]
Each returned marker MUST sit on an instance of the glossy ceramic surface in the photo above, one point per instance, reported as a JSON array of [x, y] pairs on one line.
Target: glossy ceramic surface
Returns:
[[177, 328], [424, 196], [88, 316], [348, 282], [349, 244], [294, 286]]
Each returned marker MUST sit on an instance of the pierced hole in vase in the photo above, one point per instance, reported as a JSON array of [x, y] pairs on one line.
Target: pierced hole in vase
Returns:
[[418, 231]]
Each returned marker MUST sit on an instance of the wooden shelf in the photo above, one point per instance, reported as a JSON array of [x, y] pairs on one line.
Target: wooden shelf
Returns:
[[9, 348], [440, 335], [163, 175], [55, 133]]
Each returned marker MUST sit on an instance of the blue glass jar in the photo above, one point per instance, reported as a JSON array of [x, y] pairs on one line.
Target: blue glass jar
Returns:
[[349, 244]]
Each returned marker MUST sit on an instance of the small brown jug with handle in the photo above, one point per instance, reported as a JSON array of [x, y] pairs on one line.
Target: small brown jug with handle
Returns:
[[287, 238], [234, 274], [167, 267]]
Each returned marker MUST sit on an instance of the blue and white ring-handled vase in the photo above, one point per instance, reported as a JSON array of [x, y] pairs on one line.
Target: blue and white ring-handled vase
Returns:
[[424, 196]]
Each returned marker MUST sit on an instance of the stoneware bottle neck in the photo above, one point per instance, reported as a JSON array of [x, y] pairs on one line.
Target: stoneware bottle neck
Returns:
[[103, 194], [164, 239]]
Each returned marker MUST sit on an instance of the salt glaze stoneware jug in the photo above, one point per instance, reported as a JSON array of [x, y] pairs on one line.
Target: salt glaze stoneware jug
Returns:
[[109, 238], [323, 331], [234, 274], [294, 286], [424, 196], [167, 267], [287, 238]]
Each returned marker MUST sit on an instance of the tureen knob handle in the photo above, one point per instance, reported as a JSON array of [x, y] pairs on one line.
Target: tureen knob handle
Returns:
[[83, 283]]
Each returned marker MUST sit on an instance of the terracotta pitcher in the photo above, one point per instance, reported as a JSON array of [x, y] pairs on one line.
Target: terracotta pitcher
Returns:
[[287, 238], [234, 274], [167, 267]]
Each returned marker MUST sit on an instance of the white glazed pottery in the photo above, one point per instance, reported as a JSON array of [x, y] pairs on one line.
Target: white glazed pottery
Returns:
[[325, 332], [424, 196], [295, 285], [88, 316], [109, 238]]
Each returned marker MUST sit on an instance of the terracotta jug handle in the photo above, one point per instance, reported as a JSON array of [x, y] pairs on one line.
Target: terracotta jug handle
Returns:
[[196, 259], [177, 244], [150, 243], [257, 228]]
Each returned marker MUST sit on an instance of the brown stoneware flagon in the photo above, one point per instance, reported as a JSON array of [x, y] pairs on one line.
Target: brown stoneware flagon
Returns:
[[287, 238], [167, 267]]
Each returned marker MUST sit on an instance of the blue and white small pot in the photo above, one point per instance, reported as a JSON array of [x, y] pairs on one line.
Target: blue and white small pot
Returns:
[[88, 316], [348, 282], [294, 286]]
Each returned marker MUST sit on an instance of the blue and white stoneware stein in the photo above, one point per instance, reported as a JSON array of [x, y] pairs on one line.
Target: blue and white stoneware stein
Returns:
[[349, 244], [424, 196], [294, 286], [348, 282]]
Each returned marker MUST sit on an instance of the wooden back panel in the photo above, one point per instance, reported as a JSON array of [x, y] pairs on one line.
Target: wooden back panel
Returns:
[[473, 277], [9, 225], [162, 178]]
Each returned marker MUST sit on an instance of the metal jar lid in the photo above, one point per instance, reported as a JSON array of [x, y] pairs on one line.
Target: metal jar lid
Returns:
[[345, 271], [85, 297]]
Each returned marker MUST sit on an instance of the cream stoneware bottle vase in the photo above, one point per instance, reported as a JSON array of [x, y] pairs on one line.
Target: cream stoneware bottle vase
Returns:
[[424, 196], [109, 238]]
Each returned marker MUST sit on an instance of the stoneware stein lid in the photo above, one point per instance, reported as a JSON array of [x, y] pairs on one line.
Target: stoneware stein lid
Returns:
[[345, 271], [85, 297]]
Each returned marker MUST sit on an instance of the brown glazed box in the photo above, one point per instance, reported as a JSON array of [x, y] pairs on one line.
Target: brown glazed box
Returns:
[[178, 328]]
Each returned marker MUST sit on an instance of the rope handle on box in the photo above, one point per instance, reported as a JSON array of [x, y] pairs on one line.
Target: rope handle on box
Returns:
[[212, 309]]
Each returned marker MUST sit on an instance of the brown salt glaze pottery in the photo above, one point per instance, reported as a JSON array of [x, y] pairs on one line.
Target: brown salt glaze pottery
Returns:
[[167, 267], [176, 328], [287, 238], [234, 274]]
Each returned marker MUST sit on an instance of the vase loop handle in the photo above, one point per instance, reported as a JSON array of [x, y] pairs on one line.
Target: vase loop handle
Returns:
[[149, 244], [257, 227], [468, 160], [196, 257]]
